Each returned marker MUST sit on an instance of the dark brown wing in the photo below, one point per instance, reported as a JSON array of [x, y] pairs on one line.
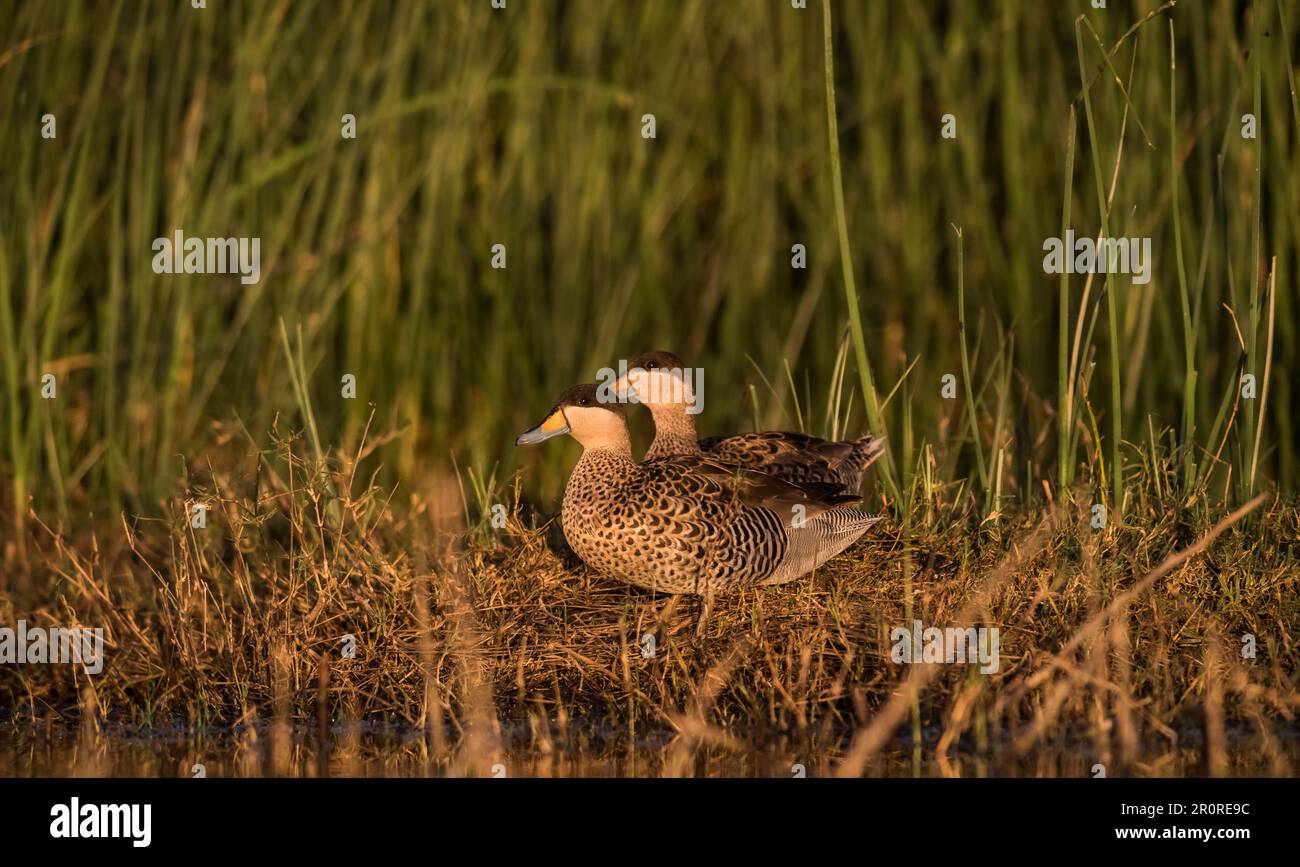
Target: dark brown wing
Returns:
[[797, 457]]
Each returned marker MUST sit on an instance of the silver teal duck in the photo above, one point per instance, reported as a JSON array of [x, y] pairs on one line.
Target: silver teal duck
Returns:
[[687, 523]]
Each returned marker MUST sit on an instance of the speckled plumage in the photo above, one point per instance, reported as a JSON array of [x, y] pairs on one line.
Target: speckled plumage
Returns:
[[689, 524], [798, 457], [795, 457]]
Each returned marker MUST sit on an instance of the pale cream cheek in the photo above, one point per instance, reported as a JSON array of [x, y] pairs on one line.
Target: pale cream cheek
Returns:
[[664, 389], [593, 425]]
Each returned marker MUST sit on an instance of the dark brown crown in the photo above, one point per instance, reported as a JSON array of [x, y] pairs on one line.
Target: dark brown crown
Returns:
[[658, 359], [587, 394]]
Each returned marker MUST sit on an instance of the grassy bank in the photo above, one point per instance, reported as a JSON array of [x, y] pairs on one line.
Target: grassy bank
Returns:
[[487, 646]]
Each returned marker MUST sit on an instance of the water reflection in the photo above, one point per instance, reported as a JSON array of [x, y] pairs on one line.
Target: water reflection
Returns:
[[521, 750]]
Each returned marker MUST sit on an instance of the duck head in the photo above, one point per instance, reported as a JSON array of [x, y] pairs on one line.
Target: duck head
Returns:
[[661, 381], [581, 413]]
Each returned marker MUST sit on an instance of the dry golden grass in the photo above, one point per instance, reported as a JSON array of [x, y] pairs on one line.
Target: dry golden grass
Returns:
[[486, 647]]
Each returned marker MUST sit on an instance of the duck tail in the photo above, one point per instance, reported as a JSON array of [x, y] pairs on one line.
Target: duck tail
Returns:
[[866, 449], [853, 458]]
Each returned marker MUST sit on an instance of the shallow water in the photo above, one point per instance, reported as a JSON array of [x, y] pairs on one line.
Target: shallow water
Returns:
[[518, 750]]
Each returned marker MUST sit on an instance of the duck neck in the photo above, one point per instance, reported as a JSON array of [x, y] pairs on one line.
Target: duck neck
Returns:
[[674, 432], [607, 458]]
